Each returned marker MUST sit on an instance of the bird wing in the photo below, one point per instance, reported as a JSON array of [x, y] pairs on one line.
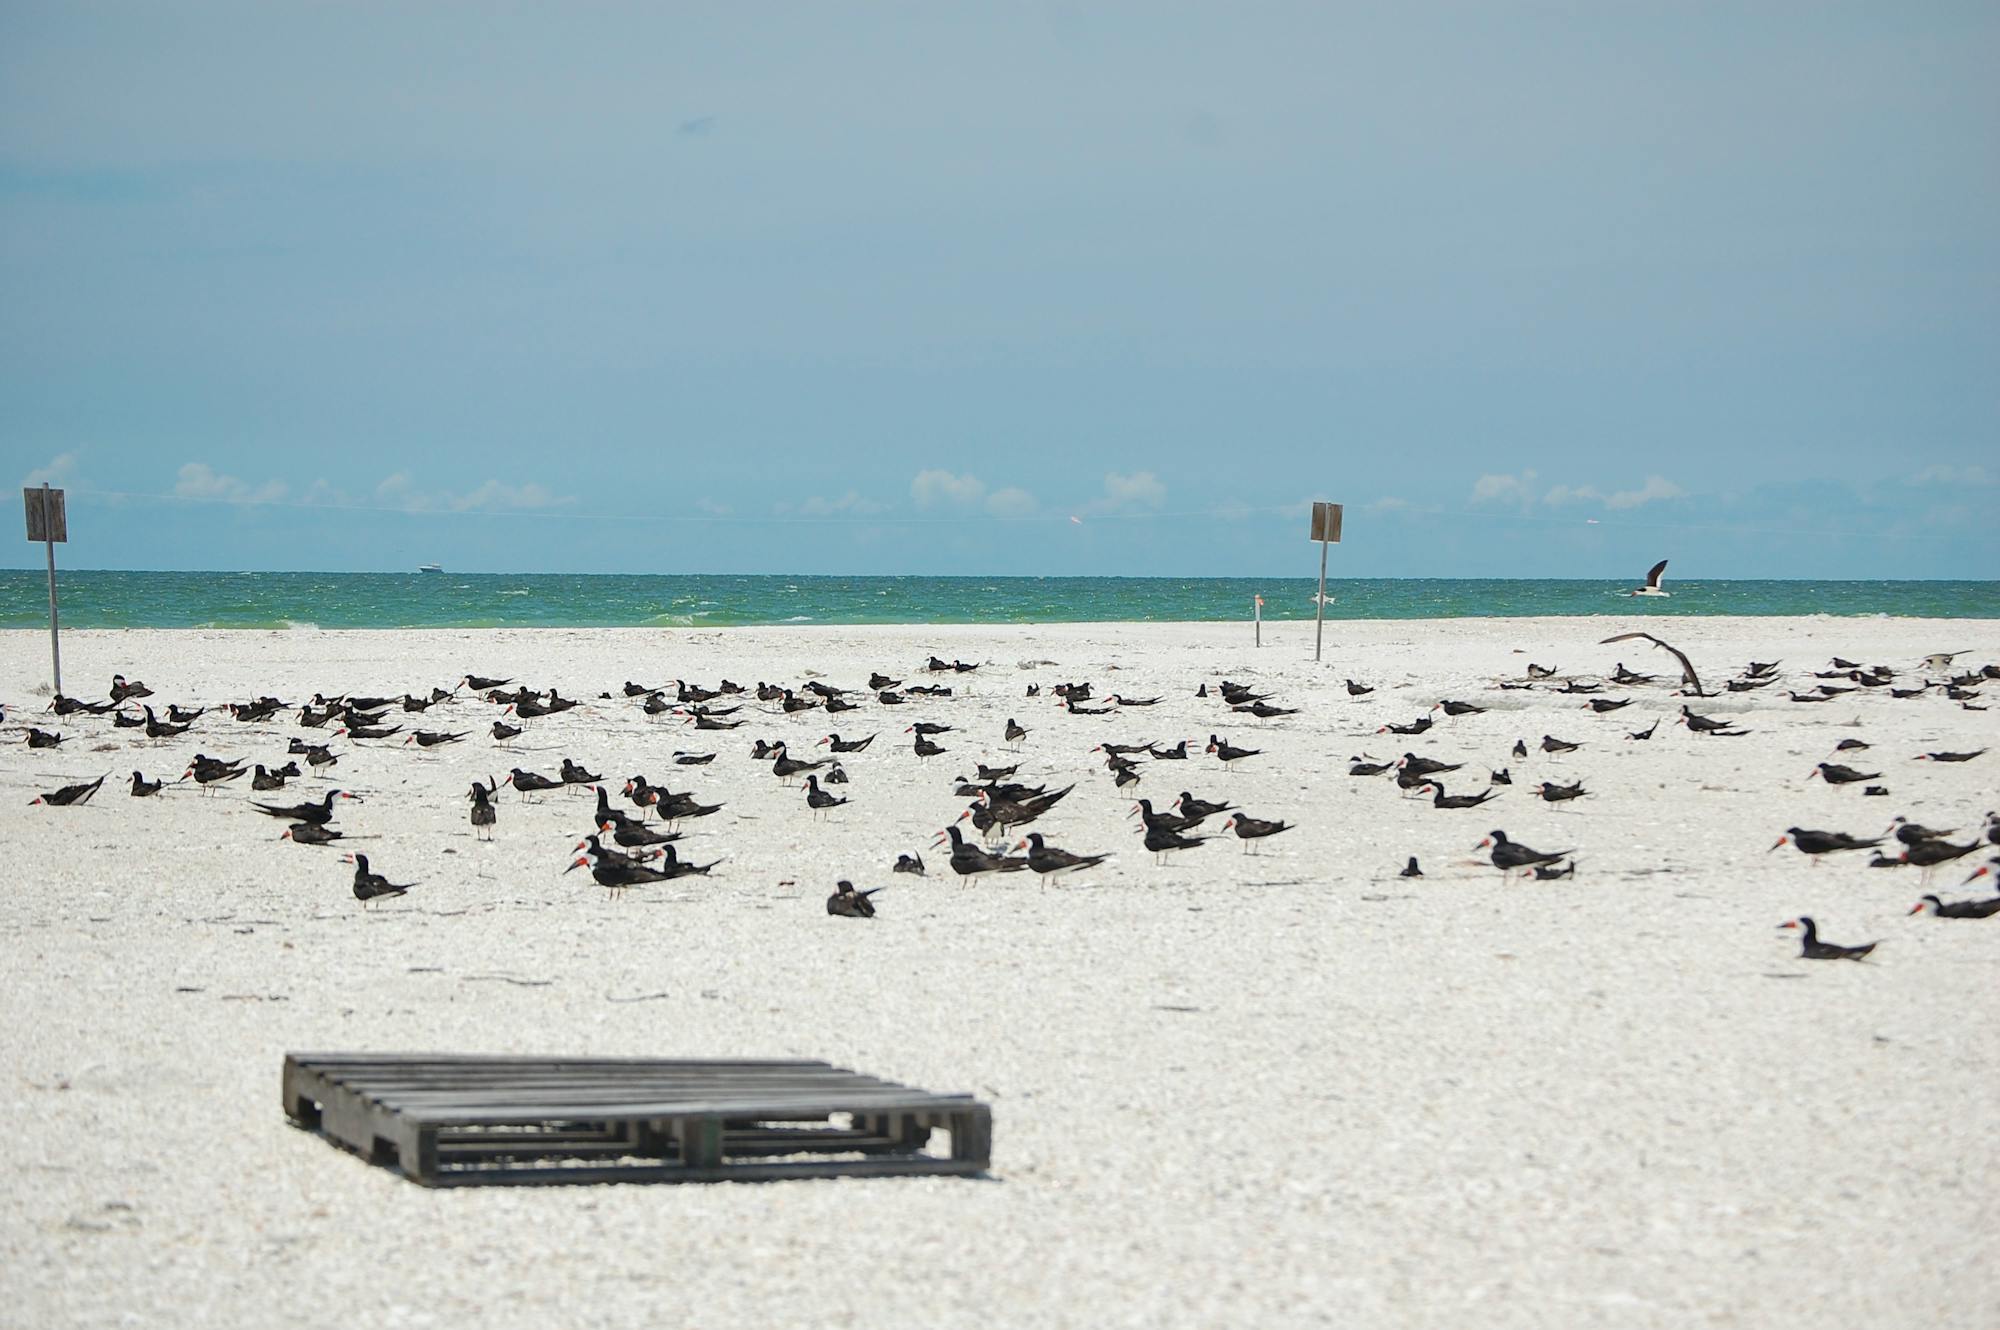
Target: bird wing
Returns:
[[1687, 667], [1653, 577]]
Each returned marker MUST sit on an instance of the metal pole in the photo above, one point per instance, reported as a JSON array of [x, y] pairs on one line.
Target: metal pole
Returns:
[[1319, 615], [1260, 620], [48, 540]]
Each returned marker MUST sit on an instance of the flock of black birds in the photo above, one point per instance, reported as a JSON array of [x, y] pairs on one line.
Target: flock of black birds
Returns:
[[633, 841]]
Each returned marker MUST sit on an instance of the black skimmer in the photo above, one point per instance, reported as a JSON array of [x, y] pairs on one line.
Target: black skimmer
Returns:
[[1361, 768], [849, 903], [1815, 843], [597, 848], [1833, 773], [1357, 689], [1707, 724], [989, 775], [127, 720], [483, 815], [481, 685], [1625, 678], [1410, 869], [43, 738], [1251, 829], [877, 681], [840, 745], [528, 782], [1265, 711], [123, 689], [574, 773], [1950, 757], [264, 781], [784, 766], [143, 788], [1143, 809], [682, 759], [1118, 699], [1417, 726], [1652, 586], [1688, 676], [1500, 777], [1540, 671], [161, 729], [1985, 909], [909, 863], [435, 738], [1520, 748], [1551, 744], [369, 731], [1551, 873], [1162, 841], [1909, 833], [924, 748], [1643, 735], [1576, 686], [318, 814], [1442, 800], [209, 772], [505, 733], [614, 874], [1228, 753], [1812, 949], [372, 886], [1413, 765], [1200, 809], [1046, 859], [319, 757], [1930, 853], [818, 800], [633, 835], [1014, 733], [968, 860], [1551, 792], [1510, 856], [1601, 705], [309, 833], [1451, 708], [1178, 753]]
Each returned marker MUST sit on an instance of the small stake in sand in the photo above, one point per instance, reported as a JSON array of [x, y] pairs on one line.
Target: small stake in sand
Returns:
[[1258, 613], [1325, 530], [49, 523]]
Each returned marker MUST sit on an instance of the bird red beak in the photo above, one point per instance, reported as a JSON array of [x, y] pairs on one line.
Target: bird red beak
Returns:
[[285, 834], [1020, 845], [1483, 843], [1918, 908], [939, 839], [581, 862], [1782, 842], [1789, 923]]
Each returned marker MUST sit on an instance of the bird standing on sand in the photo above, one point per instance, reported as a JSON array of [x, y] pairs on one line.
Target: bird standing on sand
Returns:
[[1046, 859], [370, 886], [1812, 949], [1249, 829], [1510, 856], [1227, 752]]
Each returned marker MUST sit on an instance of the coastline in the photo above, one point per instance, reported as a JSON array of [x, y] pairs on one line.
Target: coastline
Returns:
[[1233, 1090]]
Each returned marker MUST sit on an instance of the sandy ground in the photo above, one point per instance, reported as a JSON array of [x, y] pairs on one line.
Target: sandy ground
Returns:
[[1233, 1090]]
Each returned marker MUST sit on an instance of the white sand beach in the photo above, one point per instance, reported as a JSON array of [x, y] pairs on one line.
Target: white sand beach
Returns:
[[1233, 1090]]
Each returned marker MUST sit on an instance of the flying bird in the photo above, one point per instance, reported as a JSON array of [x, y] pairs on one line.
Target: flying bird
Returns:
[[1688, 675]]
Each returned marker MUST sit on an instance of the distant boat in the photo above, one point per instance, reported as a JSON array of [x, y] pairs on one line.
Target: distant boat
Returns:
[[430, 568]]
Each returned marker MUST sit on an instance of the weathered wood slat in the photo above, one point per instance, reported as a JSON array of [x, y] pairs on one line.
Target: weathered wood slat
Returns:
[[463, 1119]]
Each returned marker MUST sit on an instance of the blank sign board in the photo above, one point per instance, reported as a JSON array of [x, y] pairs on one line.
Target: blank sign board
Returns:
[[46, 517], [1326, 522]]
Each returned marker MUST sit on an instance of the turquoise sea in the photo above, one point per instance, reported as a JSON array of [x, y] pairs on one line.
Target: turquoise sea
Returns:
[[489, 600]]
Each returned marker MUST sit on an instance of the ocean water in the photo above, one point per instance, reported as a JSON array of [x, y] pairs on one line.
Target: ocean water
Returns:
[[486, 600]]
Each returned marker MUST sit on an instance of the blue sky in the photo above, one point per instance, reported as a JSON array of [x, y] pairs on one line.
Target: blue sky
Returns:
[[1536, 289]]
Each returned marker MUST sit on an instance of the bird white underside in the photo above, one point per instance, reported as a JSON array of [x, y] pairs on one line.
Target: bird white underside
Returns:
[[1650, 591]]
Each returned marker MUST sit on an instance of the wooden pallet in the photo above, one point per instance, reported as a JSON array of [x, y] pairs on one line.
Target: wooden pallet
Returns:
[[449, 1120]]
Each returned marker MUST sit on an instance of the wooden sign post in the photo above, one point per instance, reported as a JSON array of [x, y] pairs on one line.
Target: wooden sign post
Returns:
[[49, 523], [1325, 530]]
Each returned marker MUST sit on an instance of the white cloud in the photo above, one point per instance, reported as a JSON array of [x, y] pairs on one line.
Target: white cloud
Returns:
[[1972, 475], [1010, 502], [1141, 489], [60, 470], [848, 504], [712, 507], [1505, 489], [497, 495], [933, 487], [1563, 494], [1656, 487], [198, 480]]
